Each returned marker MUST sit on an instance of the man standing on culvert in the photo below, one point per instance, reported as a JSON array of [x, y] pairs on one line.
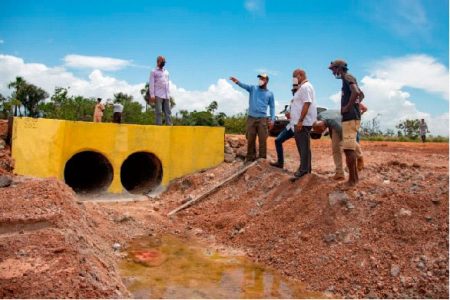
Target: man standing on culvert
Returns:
[[159, 91], [351, 116], [259, 98]]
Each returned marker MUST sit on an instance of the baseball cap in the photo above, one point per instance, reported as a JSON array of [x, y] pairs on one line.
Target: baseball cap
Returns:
[[315, 135], [264, 76], [338, 63]]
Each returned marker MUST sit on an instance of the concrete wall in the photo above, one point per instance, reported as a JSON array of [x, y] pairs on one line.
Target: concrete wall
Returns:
[[41, 147]]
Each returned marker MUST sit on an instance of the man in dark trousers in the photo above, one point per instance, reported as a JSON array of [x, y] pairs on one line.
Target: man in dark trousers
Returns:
[[351, 116], [285, 134], [259, 99], [303, 115]]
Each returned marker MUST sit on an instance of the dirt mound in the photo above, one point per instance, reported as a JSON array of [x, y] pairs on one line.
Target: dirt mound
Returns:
[[388, 239], [49, 246]]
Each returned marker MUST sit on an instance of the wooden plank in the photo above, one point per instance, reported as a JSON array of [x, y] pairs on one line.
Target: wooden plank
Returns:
[[211, 190]]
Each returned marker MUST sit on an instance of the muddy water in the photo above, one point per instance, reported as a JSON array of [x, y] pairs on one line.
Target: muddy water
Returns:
[[168, 267]]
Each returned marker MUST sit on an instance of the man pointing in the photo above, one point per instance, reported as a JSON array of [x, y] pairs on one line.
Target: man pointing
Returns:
[[259, 98]]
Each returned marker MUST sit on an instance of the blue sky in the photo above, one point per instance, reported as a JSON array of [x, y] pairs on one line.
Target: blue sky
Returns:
[[205, 41]]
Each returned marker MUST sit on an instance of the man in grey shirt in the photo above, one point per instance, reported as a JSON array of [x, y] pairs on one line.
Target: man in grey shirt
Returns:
[[159, 91], [331, 119]]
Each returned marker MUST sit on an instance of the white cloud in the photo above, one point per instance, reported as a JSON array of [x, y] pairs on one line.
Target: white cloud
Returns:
[[256, 7], [230, 100], [418, 71], [386, 99], [97, 85], [95, 62]]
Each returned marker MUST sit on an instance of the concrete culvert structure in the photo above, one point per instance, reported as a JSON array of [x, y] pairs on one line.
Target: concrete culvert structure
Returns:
[[141, 172], [88, 172]]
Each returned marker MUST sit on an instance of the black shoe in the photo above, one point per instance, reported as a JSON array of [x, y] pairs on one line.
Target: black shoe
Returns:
[[297, 176], [277, 164]]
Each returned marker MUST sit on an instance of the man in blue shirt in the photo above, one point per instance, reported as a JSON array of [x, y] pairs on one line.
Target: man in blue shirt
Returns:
[[259, 98]]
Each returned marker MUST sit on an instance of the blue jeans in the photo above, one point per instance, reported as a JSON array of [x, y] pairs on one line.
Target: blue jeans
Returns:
[[284, 135], [162, 106]]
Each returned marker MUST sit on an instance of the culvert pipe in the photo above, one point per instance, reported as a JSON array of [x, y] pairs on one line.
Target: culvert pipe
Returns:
[[88, 172], [141, 172]]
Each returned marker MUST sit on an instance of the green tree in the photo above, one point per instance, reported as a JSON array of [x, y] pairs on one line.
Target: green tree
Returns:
[[65, 107], [236, 123], [28, 95], [18, 94], [409, 128], [5, 106], [212, 107]]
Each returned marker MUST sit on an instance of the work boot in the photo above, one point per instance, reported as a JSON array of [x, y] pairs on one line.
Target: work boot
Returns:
[[277, 164], [360, 163], [350, 156], [338, 177]]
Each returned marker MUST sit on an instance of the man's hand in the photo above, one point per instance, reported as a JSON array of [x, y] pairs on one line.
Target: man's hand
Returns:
[[152, 100], [234, 79], [299, 126], [271, 123], [288, 115]]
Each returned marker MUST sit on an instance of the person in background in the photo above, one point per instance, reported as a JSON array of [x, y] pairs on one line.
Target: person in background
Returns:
[[285, 134], [159, 91], [303, 115], [98, 111], [117, 112], [423, 130], [259, 99]]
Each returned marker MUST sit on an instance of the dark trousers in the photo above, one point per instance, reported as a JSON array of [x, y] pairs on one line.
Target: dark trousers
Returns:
[[117, 117], [303, 142], [256, 127], [284, 135]]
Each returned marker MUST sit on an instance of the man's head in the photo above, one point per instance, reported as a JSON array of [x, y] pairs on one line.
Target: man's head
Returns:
[[422, 120], [99, 100], [298, 76], [263, 80], [160, 61], [319, 126], [338, 67]]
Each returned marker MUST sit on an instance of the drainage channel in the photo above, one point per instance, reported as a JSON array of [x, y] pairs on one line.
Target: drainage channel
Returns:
[[169, 267]]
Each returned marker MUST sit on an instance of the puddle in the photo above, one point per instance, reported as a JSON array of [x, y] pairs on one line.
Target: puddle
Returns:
[[169, 267]]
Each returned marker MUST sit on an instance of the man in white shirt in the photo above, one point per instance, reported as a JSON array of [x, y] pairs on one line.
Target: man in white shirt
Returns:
[[303, 115], [159, 91], [117, 112]]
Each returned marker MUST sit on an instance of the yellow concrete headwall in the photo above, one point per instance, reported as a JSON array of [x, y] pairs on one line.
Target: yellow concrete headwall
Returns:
[[41, 147]]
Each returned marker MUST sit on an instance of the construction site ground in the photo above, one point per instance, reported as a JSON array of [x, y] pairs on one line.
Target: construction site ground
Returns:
[[388, 238]]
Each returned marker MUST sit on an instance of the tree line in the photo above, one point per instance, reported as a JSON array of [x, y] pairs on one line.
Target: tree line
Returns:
[[30, 100]]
